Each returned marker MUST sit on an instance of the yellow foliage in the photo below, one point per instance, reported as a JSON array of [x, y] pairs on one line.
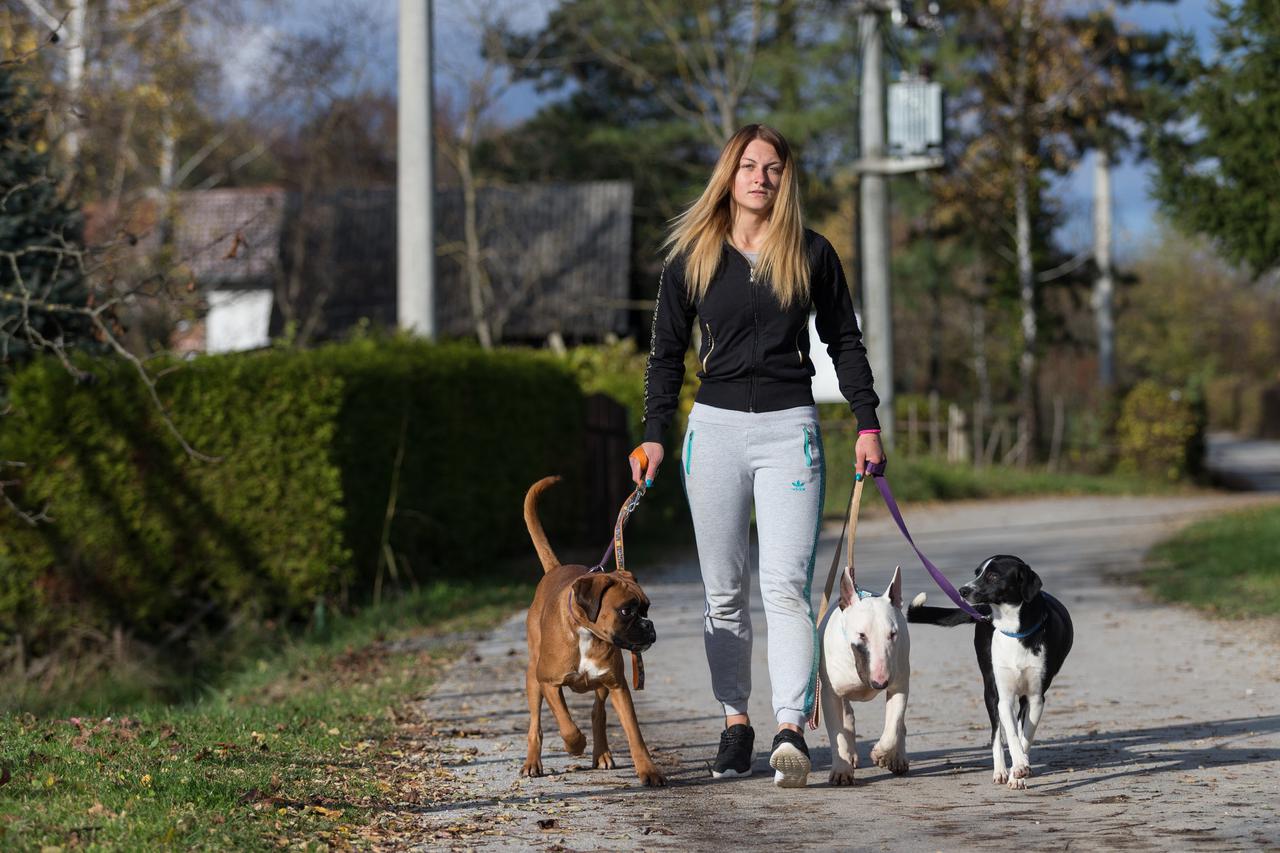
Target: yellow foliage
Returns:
[[1156, 431]]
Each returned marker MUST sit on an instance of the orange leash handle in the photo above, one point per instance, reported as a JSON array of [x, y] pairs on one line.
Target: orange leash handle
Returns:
[[643, 458]]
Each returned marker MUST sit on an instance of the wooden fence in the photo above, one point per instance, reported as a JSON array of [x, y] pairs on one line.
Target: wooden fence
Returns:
[[961, 436]]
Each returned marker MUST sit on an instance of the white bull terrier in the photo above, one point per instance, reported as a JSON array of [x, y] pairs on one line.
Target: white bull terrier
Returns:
[[866, 651]]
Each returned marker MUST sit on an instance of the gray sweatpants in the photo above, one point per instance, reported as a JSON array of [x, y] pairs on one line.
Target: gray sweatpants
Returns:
[[728, 459]]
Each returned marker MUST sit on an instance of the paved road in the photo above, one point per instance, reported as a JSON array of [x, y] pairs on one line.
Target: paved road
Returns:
[[1161, 732]]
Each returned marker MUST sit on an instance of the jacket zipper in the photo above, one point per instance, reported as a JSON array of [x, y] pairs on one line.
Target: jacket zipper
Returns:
[[799, 354], [710, 348], [755, 335]]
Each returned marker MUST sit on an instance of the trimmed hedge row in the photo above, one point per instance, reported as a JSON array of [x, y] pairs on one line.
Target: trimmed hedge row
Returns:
[[295, 510]]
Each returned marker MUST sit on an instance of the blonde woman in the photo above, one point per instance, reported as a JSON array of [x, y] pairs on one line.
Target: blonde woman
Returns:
[[741, 264]]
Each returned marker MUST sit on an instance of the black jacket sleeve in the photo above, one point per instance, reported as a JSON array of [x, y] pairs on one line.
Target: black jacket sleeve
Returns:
[[838, 328], [668, 340]]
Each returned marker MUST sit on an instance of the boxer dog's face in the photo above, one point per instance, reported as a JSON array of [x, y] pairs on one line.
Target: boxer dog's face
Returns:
[[618, 609]]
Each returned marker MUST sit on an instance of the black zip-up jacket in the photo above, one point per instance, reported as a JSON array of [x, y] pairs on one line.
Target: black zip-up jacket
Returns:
[[754, 354]]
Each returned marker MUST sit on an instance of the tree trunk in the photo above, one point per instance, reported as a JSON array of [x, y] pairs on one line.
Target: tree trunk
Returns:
[[122, 155], [168, 148], [788, 77], [935, 326], [75, 80], [981, 372], [1103, 286], [1027, 367], [476, 289]]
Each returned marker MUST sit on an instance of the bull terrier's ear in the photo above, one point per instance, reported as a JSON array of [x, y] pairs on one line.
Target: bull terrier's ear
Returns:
[[1030, 583], [894, 592], [847, 593], [588, 592]]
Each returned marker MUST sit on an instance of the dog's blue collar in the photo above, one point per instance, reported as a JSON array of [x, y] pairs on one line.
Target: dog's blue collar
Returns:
[[1021, 634]]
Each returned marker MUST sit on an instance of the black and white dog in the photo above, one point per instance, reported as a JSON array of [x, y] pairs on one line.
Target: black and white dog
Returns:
[[1019, 652]]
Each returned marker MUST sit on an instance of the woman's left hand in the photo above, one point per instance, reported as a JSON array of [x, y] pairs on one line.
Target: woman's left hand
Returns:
[[867, 449]]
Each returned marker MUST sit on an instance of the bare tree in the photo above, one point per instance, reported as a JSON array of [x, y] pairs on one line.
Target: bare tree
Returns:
[[466, 120], [712, 44]]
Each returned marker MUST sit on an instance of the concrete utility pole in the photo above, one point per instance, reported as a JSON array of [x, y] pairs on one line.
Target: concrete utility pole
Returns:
[[873, 218], [415, 175]]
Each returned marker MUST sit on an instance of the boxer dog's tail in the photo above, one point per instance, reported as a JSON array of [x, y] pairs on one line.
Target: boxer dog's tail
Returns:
[[540, 544]]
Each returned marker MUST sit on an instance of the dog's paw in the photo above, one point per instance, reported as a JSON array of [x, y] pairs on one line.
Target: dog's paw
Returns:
[[531, 768], [1021, 771], [842, 776], [575, 742], [652, 777], [1017, 784], [1000, 777], [603, 761], [893, 760], [919, 600]]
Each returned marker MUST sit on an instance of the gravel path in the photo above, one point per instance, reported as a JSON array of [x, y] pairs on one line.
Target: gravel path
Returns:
[[1161, 732]]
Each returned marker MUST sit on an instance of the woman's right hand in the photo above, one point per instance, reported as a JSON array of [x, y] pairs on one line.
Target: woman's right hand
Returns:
[[653, 450]]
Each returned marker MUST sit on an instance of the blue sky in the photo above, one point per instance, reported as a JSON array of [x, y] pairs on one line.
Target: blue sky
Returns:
[[1134, 211]]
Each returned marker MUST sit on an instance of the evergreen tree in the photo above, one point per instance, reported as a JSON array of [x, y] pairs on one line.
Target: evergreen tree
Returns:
[[41, 282], [1217, 149]]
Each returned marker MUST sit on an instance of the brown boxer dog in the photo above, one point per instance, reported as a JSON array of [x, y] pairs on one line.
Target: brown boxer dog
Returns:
[[578, 625]]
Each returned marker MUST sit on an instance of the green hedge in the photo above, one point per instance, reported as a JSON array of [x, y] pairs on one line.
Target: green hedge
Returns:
[[480, 428], [146, 538], [618, 370]]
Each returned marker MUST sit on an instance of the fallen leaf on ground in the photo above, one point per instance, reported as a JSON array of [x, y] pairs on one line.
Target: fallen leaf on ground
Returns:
[[99, 810]]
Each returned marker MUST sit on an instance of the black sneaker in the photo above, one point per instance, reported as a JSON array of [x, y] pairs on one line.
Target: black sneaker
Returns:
[[737, 748], [790, 760]]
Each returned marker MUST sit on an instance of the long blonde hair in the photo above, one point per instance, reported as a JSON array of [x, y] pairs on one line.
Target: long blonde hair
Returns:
[[702, 230]]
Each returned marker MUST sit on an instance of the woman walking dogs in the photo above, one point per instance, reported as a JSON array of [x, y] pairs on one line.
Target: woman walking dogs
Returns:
[[742, 263]]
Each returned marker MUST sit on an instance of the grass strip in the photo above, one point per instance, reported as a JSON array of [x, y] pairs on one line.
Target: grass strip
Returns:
[[1228, 565], [923, 479], [285, 753]]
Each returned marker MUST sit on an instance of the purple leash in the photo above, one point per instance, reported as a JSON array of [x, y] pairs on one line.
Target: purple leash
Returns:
[[875, 470]]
